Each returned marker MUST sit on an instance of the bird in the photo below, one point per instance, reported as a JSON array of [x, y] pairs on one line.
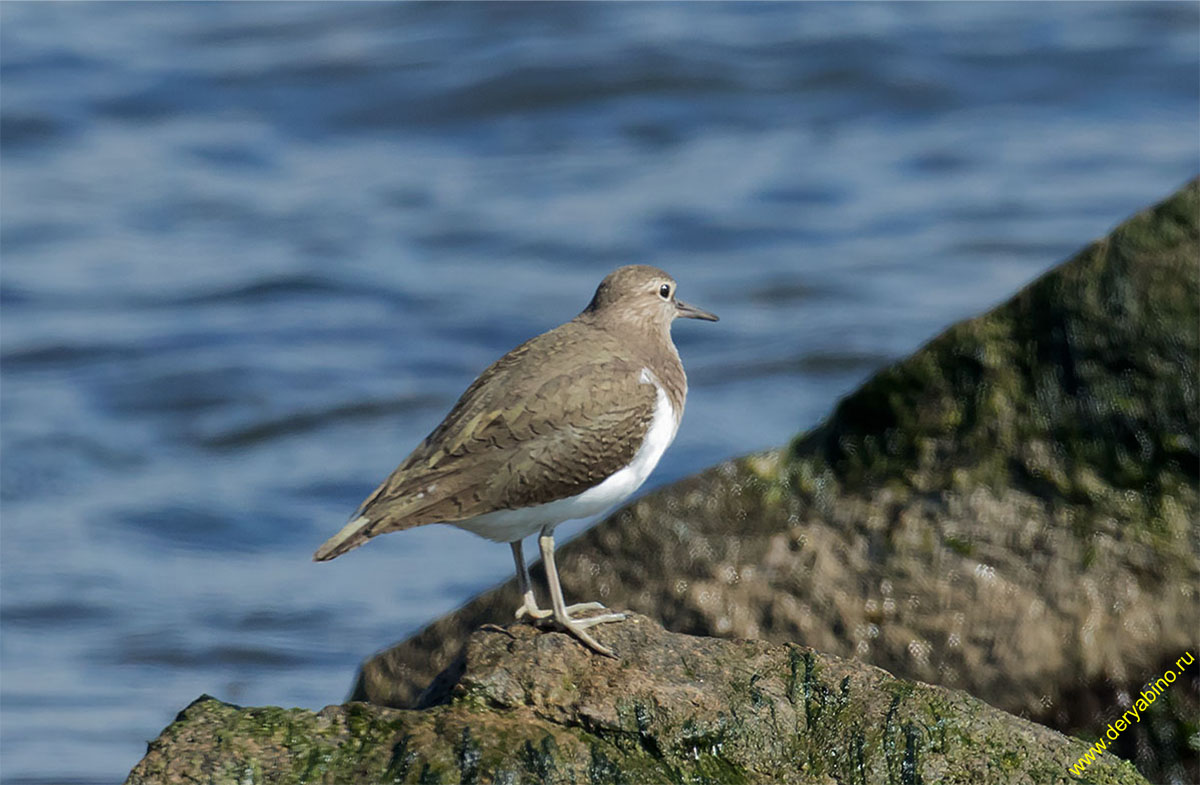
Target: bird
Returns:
[[565, 426]]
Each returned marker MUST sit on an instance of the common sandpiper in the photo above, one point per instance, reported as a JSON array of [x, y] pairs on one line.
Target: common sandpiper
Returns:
[[564, 426]]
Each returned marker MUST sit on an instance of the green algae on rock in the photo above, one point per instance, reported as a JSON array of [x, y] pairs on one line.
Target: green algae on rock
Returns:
[[531, 707], [1012, 510]]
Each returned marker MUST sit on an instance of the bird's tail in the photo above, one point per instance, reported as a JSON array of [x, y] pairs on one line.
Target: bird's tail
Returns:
[[352, 535]]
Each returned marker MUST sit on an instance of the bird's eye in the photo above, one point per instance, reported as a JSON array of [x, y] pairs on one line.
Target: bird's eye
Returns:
[[665, 291]]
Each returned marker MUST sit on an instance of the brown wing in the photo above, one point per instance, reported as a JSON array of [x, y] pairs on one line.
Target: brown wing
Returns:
[[519, 436]]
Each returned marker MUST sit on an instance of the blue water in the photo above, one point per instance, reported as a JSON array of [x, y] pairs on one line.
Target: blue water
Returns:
[[253, 252]]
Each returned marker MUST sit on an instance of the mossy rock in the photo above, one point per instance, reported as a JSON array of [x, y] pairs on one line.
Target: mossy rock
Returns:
[[529, 707]]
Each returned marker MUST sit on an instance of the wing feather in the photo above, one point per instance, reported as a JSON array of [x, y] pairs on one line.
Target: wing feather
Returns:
[[519, 436]]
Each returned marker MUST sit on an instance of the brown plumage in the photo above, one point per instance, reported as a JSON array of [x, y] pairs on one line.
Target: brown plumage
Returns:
[[531, 430]]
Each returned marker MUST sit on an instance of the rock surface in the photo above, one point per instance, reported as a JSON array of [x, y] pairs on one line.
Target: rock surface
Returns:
[[527, 707], [1012, 511]]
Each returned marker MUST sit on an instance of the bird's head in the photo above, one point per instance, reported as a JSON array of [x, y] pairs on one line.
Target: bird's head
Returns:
[[641, 294]]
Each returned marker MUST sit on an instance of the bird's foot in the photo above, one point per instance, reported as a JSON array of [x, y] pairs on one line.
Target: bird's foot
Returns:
[[581, 634], [571, 625], [539, 614], [592, 621], [578, 627], [534, 613]]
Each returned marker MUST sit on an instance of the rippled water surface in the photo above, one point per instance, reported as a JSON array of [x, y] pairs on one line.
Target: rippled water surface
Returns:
[[253, 252]]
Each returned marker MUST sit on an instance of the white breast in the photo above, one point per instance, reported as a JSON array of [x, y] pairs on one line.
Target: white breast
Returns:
[[511, 525]]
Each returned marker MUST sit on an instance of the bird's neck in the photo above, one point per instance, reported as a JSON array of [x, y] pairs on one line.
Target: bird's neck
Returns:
[[670, 374], [651, 345], [661, 357]]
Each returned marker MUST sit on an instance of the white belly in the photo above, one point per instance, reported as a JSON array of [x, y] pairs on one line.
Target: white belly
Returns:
[[512, 525]]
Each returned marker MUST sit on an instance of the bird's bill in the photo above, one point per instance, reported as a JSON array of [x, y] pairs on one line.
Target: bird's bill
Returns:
[[686, 311]]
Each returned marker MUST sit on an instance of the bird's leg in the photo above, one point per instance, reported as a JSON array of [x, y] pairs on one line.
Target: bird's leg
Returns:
[[577, 627], [529, 606]]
